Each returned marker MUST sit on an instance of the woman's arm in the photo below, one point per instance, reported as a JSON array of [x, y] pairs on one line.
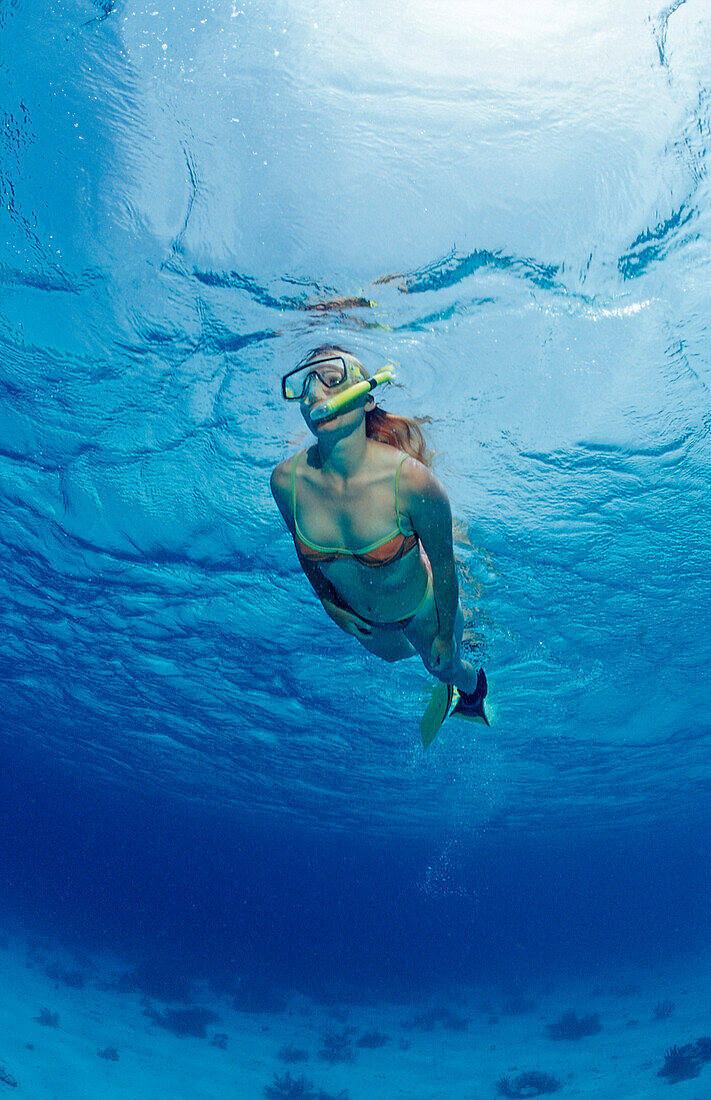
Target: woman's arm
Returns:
[[426, 504]]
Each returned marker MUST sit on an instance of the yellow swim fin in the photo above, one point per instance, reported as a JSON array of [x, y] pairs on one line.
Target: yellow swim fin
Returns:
[[446, 699], [438, 708]]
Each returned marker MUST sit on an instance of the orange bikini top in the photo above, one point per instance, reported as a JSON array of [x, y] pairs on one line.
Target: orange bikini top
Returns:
[[382, 552]]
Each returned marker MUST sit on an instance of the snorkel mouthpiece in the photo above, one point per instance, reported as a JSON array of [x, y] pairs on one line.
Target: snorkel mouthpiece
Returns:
[[344, 400]]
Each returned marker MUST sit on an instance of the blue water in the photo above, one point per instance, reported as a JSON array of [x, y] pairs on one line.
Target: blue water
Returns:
[[198, 768]]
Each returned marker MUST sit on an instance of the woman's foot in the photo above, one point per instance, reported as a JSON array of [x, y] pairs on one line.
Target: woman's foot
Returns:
[[471, 704], [446, 700]]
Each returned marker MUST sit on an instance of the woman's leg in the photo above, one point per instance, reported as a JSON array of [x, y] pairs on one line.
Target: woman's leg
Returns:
[[390, 645], [422, 631]]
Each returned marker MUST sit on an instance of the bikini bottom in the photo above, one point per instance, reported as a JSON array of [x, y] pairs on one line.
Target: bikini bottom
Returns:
[[395, 624]]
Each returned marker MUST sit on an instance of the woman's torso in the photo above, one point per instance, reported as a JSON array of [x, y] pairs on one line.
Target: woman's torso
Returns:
[[361, 516]]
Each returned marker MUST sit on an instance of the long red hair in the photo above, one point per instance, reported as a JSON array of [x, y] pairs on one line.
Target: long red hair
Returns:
[[402, 432]]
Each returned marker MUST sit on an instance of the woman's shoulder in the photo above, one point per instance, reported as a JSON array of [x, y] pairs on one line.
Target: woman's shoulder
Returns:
[[387, 458], [281, 475], [280, 483], [417, 479]]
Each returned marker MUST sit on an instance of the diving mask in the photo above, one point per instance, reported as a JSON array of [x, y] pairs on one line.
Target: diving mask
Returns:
[[331, 372]]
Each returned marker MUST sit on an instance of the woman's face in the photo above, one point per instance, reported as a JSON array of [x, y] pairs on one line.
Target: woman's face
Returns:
[[317, 391]]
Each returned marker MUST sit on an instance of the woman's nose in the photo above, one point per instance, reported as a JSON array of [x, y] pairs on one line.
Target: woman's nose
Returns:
[[315, 390]]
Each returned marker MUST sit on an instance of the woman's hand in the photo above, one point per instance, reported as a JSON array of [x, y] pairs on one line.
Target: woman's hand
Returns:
[[347, 620], [444, 656]]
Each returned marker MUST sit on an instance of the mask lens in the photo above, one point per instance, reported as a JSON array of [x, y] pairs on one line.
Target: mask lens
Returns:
[[330, 371], [292, 386]]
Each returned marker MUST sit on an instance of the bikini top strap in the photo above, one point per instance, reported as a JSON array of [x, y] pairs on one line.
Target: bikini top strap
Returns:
[[293, 488], [397, 496]]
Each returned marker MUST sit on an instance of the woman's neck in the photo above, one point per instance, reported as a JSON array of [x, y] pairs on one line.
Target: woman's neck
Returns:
[[342, 456]]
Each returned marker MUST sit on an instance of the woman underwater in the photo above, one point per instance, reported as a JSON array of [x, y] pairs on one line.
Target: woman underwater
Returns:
[[372, 528]]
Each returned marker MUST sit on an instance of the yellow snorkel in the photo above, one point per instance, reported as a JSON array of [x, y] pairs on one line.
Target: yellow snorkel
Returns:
[[348, 397]]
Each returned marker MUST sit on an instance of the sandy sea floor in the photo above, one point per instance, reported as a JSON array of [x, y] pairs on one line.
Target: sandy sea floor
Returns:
[[456, 1044]]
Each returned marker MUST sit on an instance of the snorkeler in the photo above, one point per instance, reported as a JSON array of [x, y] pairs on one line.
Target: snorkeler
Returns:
[[372, 528]]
